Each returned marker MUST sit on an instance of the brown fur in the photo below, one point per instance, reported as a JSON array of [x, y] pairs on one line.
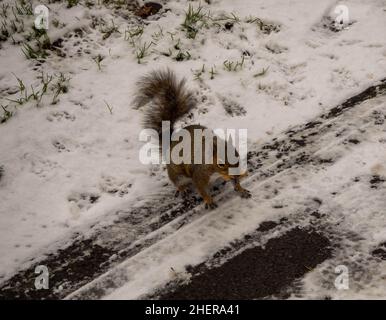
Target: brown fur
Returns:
[[170, 100]]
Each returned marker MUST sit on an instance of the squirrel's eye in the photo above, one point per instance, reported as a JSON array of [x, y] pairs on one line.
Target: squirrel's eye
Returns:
[[221, 165]]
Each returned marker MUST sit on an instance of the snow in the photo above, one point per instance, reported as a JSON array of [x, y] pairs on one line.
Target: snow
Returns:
[[63, 163], [361, 209], [297, 188]]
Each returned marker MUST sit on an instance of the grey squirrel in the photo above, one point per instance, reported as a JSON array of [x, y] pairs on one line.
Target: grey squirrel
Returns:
[[170, 100]]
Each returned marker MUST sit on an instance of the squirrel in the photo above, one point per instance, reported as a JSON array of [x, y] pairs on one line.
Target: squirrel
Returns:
[[170, 100]]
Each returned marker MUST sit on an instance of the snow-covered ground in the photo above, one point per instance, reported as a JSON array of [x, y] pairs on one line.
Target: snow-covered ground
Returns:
[[71, 163], [349, 210]]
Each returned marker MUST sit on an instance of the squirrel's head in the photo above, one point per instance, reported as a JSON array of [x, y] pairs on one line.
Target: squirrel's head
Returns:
[[223, 165], [223, 170]]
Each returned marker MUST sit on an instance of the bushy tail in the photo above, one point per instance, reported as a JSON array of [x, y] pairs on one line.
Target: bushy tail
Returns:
[[168, 97]]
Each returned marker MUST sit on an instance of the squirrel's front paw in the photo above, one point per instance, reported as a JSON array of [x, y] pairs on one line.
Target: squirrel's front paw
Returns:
[[245, 194], [211, 205]]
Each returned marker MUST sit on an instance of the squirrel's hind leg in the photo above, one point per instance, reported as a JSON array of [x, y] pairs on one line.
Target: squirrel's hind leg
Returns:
[[181, 182], [182, 190], [201, 183]]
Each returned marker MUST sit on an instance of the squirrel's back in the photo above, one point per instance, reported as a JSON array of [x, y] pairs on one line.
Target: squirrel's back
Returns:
[[168, 97]]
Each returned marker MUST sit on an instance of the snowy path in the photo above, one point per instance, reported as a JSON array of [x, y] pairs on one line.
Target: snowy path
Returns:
[[284, 178], [75, 197], [325, 173]]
